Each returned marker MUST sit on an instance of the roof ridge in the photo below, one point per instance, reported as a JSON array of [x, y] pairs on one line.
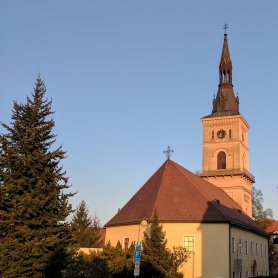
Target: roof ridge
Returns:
[[201, 193], [180, 195], [137, 191], [159, 188]]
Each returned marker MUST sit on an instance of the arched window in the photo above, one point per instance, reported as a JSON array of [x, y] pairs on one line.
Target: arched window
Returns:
[[221, 160], [224, 76]]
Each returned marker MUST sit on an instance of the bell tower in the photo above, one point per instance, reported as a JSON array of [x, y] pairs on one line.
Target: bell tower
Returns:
[[225, 140]]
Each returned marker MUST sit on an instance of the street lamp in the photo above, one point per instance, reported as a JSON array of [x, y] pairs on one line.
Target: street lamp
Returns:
[[143, 223], [237, 261], [137, 253], [239, 246]]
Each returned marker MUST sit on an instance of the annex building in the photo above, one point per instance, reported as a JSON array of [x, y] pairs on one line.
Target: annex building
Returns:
[[209, 212]]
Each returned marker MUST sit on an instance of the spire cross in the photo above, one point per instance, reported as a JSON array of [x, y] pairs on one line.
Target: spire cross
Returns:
[[225, 27], [168, 152]]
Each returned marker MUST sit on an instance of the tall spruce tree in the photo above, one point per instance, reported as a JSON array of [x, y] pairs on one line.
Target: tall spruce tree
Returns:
[[34, 206], [156, 258], [85, 229]]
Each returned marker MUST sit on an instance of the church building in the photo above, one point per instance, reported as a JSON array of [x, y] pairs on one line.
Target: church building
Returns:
[[210, 212]]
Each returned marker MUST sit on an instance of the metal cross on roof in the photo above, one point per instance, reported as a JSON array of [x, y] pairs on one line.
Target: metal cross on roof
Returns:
[[225, 27], [168, 152]]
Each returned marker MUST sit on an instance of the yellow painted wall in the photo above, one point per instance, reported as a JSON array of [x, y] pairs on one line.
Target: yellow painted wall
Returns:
[[87, 251], [213, 255], [211, 245], [211, 248], [115, 234]]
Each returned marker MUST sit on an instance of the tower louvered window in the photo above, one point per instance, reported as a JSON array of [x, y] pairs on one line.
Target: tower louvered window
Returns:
[[221, 160]]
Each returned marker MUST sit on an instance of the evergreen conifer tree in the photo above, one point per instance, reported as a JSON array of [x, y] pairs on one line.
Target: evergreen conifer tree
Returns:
[[85, 229], [96, 232], [34, 206], [156, 258]]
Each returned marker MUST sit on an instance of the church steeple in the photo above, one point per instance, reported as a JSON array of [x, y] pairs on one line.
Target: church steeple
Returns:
[[225, 66], [225, 140], [225, 103]]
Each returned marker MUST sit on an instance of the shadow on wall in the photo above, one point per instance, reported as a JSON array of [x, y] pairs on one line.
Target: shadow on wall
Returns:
[[216, 243]]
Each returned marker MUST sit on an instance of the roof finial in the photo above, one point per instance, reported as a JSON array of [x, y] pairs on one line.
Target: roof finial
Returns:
[[225, 27], [168, 152]]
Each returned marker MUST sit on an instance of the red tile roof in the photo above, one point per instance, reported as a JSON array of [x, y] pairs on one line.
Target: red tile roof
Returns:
[[181, 196], [273, 227]]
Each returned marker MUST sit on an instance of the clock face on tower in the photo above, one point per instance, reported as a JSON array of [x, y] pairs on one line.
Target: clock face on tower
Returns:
[[221, 134]]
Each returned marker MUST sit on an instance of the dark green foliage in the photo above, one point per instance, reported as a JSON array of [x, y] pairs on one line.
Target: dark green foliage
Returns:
[[79, 267], [57, 262], [262, 216], [112, 262], [172, 273], [120, 261], [85, 230], [117, 262], [33, 204], [156, 258]]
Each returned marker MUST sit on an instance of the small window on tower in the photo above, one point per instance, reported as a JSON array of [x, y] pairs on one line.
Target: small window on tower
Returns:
[[212, 135], [230, 133], [221, 160]]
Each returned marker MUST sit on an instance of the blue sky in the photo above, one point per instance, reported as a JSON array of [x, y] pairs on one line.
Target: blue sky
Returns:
[[129, 78]]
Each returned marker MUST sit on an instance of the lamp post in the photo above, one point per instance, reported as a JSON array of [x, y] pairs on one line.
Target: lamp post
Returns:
[[137, 253], [239, 246], [143, 223]]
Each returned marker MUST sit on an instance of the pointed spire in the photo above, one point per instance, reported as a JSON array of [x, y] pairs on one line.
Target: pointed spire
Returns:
[[225, 103], [225, 66]]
